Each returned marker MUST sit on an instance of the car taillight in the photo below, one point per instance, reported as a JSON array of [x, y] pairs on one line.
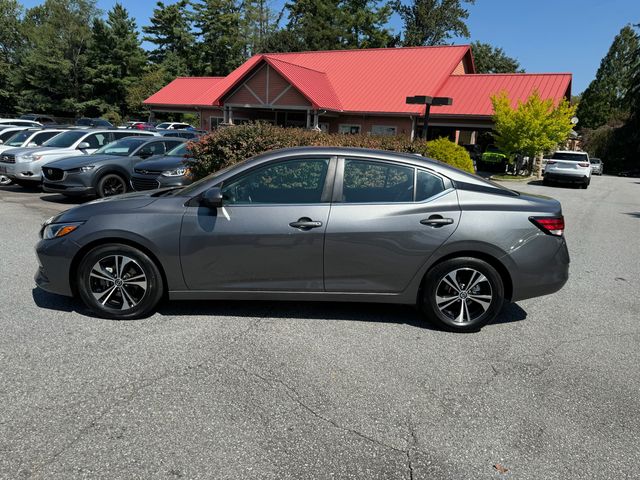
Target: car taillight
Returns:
[[549, 225], [550, 162], [584, 164]]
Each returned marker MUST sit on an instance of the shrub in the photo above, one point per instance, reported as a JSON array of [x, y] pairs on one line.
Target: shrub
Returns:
[[228, 146]]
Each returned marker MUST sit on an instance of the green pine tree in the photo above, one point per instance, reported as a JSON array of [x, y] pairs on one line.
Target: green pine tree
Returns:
[[222, 45], [605, 97], [489, 59], [170, 31], [116, 60], [433, 22], [10, 42], [317, 24], [364, 24]]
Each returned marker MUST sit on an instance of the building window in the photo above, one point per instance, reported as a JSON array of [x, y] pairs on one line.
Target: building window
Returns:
[[215, 122], [384, 130], [349, 129], [324, 127]]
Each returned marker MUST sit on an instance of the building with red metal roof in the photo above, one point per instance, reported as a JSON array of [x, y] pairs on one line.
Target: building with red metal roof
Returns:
[[357, 91]]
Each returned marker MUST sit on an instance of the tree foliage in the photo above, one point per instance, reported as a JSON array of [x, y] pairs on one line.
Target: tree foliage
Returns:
[[606, 96], [10, 41], [489, 59], [433, 22], [533, 127]]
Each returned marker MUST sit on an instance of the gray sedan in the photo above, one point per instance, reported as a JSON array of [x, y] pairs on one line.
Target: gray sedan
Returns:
[[330, 224], [106, 172]]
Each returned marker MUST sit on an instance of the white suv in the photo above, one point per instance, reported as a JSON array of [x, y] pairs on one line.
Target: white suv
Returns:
[[569, 167], [24, 165]]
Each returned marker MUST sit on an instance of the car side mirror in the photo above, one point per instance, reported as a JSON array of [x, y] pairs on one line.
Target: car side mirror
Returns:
[[83, 146], [212, 198]]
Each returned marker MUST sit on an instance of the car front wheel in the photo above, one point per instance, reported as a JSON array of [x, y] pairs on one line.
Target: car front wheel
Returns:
[[4, 180], [111, 184], [462, 294], [119, 282]]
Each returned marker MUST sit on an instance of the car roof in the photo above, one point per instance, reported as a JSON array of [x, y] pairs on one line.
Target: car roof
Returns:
[[572, 151]]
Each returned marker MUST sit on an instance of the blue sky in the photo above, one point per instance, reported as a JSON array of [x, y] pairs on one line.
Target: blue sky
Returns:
[[544, 35]]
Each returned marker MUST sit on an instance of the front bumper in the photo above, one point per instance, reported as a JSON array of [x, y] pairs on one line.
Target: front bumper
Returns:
[[140, 182], [22, 171], [70, 190], [55, 257]]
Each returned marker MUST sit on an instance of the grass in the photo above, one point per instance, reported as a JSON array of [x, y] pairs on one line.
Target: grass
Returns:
[[511, 178]]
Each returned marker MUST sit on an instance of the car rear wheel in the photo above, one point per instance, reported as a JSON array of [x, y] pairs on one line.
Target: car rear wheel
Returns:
[[119, 282], [462, 294], [111, 184]]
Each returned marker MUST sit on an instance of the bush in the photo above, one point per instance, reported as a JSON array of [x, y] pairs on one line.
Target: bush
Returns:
[[230, 145]]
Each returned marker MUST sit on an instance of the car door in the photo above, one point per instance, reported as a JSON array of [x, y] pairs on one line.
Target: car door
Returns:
[[270, 233], [386, 220]]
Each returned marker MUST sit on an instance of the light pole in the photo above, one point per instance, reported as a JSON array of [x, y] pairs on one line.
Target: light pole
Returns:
[[427, 102]]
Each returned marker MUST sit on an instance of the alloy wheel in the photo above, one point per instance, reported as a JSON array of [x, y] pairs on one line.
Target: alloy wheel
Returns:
[[118, 282], [113, 185], [464, 295]]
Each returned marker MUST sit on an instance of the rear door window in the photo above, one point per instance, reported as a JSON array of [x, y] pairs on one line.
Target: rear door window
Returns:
[[377, 182]]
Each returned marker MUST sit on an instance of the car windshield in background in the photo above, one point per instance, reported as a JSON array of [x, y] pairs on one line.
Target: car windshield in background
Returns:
[[163, 125], [121, 148], [595, 161], [179, 151], [576, 157], [65, 140], [4, 136], [18, 139], [84, 122]]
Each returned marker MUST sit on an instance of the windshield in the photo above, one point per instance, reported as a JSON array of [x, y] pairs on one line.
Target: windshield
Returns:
[[595, 160], [4, 136], [84, 122], [65, 140], [179, 151], [163, 125], [18, 139], [121, 148], [576, 157]]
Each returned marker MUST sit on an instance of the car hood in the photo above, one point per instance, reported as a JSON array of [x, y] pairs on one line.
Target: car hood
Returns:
[[161, 163], [82, 160], [50, 151], [19, 151], [112, 205]]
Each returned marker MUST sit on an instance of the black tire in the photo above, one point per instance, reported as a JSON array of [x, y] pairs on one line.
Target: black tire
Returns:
[[111, 184], [546, 182], [483, 300], [98, 274]]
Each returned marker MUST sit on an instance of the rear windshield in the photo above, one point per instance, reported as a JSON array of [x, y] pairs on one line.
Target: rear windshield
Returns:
[[576, 157]]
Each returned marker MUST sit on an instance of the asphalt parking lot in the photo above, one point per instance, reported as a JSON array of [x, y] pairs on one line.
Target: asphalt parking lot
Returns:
[[231, 390]]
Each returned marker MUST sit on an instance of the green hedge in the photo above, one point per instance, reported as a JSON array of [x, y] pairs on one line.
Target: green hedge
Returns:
[[227, 146]]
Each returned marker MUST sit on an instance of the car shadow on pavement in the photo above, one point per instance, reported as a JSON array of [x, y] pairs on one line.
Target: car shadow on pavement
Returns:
[[362, 312], [61, 199], [633, 214]]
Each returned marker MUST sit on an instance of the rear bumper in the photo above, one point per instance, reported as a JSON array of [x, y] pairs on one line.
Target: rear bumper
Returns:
[[542, 267], [568, 178]]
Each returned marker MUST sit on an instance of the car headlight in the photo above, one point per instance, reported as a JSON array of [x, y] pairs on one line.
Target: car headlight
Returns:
[[32, 158], [177, 172], [57, 230], [86, 168]]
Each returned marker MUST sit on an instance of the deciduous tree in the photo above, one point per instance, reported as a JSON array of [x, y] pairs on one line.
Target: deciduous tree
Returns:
[[10, 41], [533, 127]]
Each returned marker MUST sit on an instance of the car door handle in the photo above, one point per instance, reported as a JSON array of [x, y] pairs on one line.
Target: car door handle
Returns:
[[305, 223], [436, 221]]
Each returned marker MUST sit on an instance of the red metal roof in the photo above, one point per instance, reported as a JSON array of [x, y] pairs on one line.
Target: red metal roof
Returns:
[[374, 81], [472, 93], [183, 91]]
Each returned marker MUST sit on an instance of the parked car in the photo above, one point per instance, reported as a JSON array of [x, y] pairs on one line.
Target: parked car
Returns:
[[94, 123], [493, 159], [106, 172], [9, 131], [188, 134], [43, 119], [173, 126], [17, 122], [568, 167], [634, 172], [597, 166], [162, 172], [26, 137], [24, 165], [313, 223]]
